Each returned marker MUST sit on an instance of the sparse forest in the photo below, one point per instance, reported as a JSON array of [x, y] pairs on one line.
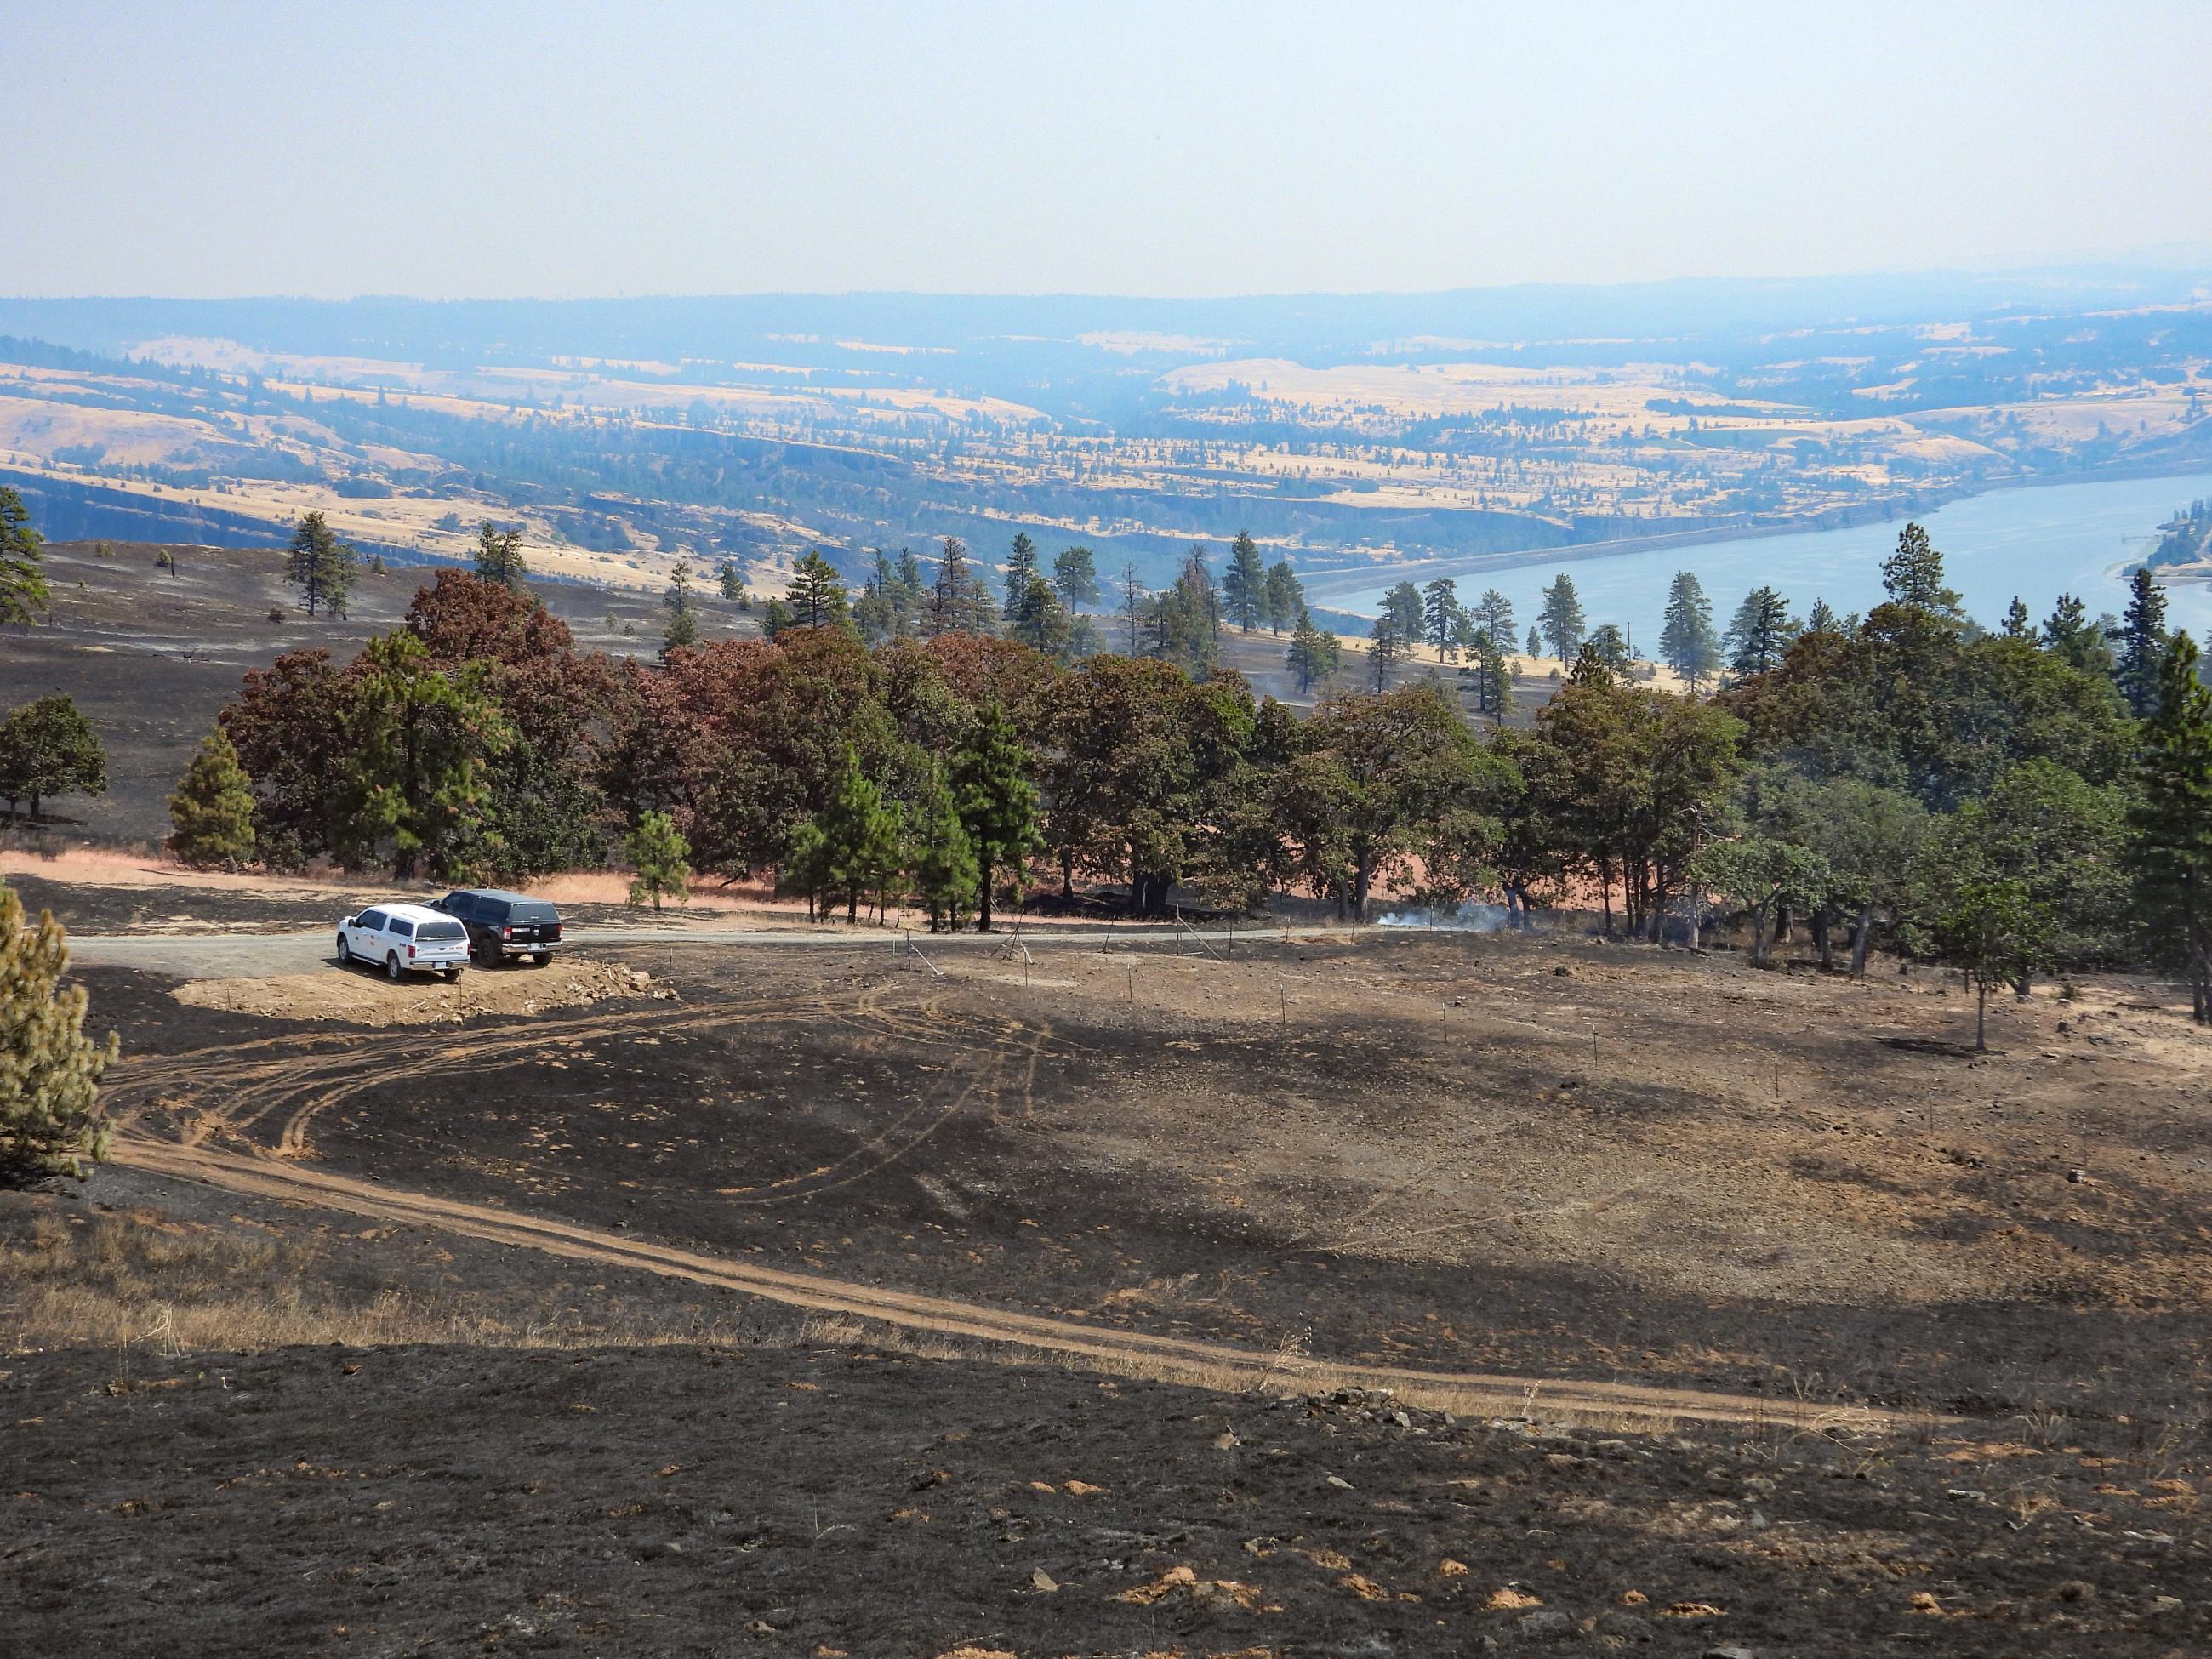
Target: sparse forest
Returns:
[[1906, 777]]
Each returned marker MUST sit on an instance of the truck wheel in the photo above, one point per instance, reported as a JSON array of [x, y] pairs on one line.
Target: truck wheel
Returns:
[[392, 968], [453, 976], [345, 955], [541, 959]]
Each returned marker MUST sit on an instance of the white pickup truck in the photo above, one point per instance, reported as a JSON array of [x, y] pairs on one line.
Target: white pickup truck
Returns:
[[404, 938]]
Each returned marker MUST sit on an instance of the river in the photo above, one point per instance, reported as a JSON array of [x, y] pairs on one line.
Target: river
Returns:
[[2036, 542]]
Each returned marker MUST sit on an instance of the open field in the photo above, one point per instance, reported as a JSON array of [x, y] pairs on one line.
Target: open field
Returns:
[[1743, 1291], [1720, 1306]]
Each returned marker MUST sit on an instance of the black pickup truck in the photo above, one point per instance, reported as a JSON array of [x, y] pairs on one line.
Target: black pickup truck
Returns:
[[502, 924]]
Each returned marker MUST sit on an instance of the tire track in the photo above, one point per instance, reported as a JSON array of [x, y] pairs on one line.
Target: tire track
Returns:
[[1173, 1359]]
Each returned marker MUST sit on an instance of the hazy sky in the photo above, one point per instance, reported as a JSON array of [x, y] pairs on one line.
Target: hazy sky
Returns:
[[222, 149]]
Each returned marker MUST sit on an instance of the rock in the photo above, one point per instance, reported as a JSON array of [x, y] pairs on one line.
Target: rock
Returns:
[[2077, 1177], [1728, 1653], [1043, 1581], [1226, 1440], [1339, 1483], [1550, 1622], [1563, 973]]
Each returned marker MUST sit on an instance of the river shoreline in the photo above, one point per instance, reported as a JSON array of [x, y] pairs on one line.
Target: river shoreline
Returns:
[[1333, 582]]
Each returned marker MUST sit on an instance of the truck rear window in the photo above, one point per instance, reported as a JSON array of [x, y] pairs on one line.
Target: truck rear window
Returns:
[[533, 913], [440, 930]]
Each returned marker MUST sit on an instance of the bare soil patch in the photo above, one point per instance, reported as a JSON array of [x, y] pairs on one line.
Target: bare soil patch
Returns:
[[361, 996]]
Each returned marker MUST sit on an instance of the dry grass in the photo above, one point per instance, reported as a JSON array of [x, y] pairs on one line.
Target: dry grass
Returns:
[[142, 1279]]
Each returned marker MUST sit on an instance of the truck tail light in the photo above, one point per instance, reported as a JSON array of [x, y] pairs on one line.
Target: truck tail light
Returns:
[[506, 933], [410, 953]]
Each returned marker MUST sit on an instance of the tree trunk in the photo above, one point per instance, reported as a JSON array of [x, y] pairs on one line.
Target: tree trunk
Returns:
[[1824, 938], [1982, 1016], [852, 905], [1759, 937], [1068, 874], [983, 896], [1363, 877], [1863, 940]]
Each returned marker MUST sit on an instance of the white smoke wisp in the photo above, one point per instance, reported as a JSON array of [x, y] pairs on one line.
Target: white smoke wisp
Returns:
[[1473, 918]]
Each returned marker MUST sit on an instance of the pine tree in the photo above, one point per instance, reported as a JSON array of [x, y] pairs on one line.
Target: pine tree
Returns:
[[1385, 645], [1042, 623], [320, 565], [1286, 599], [1440, 617], [212, 814], [1562, 619], [417, 741], [1075, 578], [1245, 584], [499, 555], [912, 590], [998, 803], [817, 596], [733, 584], [682, 626], [855, 846], [2076, 639], [1759, 637], [944, 873], [1132, 604], [2171, 861], [1535, 645], [23, 596], [1494, 678], [1914, 574], [51, 1122], [657, 852], [1493, 615], [2016, 623], [1021, 565], [1314, 654], [1410, 611], [1822, 618], [959, 604], [1610, 646], [1687, 640], [2069, 635], [2143, 641]]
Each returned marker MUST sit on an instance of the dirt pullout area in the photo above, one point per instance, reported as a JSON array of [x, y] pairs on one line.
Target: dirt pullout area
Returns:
[[359, 996], [812, 1501]]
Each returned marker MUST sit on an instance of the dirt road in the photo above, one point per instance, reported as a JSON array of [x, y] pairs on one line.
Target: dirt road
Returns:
[[1160, 1358], [265, 955]]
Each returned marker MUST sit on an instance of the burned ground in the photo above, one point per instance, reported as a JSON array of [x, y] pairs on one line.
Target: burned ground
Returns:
[[151, 658], [819, 1500], [1539, 1157], [1430, 1163]]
